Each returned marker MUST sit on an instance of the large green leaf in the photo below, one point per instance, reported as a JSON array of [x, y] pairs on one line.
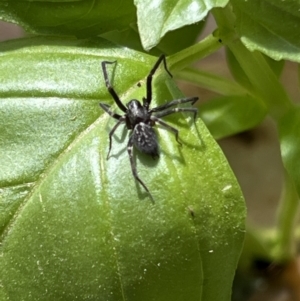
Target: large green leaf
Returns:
[[156, 18], [77, 226], [270, 26], [65, 17]]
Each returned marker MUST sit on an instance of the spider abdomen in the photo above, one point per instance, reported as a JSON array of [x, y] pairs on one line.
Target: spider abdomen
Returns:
[[145, 140]]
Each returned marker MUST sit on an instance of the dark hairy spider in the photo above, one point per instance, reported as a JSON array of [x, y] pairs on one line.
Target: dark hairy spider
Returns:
[[139, 118]]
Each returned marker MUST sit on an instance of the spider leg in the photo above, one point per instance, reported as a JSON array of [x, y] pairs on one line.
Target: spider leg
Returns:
[[148, 99], [110, 88], [120, 121], [168, 127], [174, 103], [132, 163], [176, 110], [107, 109]]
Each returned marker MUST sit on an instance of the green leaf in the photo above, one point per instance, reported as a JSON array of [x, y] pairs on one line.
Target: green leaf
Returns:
[[168, 45], [229, 115], [79, 18], [177, 40], [270, 26], [156, 18], [77, 226]]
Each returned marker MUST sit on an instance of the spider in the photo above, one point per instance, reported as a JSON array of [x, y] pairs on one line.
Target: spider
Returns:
[[140, 119]]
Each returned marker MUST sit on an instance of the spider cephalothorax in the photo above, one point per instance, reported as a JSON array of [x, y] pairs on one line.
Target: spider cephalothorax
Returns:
[[140, 118]]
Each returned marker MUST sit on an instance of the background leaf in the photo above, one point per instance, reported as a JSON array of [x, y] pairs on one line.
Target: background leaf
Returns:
[[257, 24], [80, 18], [75, 225], [168, 45], [156, 18], [229, 115]]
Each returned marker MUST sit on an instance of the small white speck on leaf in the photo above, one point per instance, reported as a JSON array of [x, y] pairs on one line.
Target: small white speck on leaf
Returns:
[[227, 187]]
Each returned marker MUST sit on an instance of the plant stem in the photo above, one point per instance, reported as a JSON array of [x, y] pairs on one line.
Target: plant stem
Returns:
[[198, 51], [265, 84], [211, 82], [287, 214]]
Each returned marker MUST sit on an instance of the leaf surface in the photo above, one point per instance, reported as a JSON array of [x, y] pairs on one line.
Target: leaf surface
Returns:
[[64, 17], [270, 26], [156, 18], [77, 226]]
